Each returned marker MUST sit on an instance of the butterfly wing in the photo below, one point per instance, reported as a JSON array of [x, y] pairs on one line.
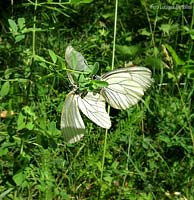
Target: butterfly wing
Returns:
[[75, 60], [72, 125], [93, 106], [126, 86]]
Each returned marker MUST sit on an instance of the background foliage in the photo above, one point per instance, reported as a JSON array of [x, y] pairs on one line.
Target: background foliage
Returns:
[[150, 146]]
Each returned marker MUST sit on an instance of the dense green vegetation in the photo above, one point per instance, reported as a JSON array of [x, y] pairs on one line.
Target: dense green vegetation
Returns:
[[148, 152]]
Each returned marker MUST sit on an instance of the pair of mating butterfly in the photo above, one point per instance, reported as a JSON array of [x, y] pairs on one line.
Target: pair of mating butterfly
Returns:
[[120, 88]]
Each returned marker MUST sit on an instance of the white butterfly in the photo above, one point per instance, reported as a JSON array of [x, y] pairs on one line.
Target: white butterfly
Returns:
[[125, 88], [91, 105]]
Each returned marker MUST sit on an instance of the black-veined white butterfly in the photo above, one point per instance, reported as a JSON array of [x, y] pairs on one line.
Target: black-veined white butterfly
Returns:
[[91, 104], [124, 87]]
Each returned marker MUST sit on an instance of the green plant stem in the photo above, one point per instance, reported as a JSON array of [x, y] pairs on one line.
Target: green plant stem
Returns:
[[34, 30], [115, 32], [112, 67], [150, 25]]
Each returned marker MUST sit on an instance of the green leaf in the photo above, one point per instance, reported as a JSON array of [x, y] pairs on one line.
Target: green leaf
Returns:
[[18, 38], [108, 15], [53, 56], [29, 111], [13, 26], [92, 69], [175, 57], [153, 61], [30, 126], [74, 61], [97, 84], [4, 194], [20, 122], [5, 89], [96, 68], [108, 178], [189, 31], [3, 151], [192, 36], [128, 50], [19, 178], [39, 58], [21, 23], [165, 28], [169, 28], [81, 78], [145, 32], [43, 65]]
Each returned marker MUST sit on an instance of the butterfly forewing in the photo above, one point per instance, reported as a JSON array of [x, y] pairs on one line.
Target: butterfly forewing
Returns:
[[72, 125], [75, 60], [93, 106], [126, 86]]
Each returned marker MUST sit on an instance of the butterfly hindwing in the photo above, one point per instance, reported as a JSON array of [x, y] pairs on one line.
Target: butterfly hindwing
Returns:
[[93, 106], [72, 125]]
